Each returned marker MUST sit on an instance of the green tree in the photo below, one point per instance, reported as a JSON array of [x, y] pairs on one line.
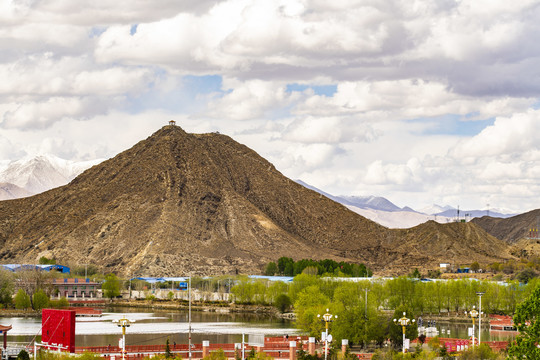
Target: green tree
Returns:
[[41, 300], [22, 300], [168, 353], [23, 355], [271, 269], [6, 288], [526, 275], [46, 261], [283, 303], [527, 323], [111, 286], [475, 266], [415, 274], [310, 303], [282, 264]]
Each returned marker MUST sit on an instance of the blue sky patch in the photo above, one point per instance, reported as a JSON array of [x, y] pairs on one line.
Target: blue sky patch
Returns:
[[455, 125], [326, 90], [203, 84]]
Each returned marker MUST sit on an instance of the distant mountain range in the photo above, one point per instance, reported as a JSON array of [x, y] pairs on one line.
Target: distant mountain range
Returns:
[[386, 213], [36, 174]]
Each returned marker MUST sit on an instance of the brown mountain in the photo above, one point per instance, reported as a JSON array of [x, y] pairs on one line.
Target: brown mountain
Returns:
[[511, 229], [179, 203]]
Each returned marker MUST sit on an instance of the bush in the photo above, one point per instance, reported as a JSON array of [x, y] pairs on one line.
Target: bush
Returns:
[[41, 300], [271, 269], [434, 343], [46, 261], [61, 303], [283, 303], [22, 300], [23, 355], [482, 352]]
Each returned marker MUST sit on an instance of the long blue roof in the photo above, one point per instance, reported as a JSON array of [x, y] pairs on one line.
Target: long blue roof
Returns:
[[152, 280], [18, 267]]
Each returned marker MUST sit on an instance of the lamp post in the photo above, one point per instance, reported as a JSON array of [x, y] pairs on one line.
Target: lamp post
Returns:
[[123, 323], [480, 293], [189, 319], [404, 322], [326, 318], [473, 314]]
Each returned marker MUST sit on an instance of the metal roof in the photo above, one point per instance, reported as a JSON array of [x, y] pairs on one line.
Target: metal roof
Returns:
[[18, 267]]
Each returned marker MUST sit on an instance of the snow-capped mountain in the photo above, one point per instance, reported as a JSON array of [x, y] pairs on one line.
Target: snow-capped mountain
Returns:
[[360, 202], [371, 202], [386, 213], [435, 209], [40, 173]]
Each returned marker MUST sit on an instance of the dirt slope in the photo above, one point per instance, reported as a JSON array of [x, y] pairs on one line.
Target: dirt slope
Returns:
[[511, 229]]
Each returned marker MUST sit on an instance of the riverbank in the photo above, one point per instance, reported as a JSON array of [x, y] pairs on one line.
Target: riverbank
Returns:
[[218, 307], [19, 313]]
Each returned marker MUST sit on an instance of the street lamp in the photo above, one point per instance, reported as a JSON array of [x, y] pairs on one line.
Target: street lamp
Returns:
[[326, 318], [473, 314], [480, 293], [404, 322], [123, 323]]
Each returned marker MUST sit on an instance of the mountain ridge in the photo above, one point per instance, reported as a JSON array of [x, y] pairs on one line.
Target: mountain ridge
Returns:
[[179, 203]]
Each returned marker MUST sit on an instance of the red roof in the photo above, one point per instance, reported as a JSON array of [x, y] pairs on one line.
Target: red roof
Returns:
[[5, 328]]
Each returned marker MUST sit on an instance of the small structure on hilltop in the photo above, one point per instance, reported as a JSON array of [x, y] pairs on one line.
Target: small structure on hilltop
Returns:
[[172, 123]]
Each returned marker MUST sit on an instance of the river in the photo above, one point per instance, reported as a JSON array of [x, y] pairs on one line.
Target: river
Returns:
[[155, 326]]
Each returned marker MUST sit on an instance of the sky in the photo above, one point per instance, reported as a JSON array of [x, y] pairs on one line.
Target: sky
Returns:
[[422, 102]]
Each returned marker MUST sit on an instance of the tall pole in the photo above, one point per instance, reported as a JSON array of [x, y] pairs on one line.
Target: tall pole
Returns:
[[480, 293], [243, 347], [326, 318], [404, 322], [473, 313], [403, 347], [189, 318], [365, 323], [123, 342], [123, 323], [326, 342]]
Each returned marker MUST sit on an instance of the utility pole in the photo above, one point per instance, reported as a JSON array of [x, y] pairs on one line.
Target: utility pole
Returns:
[[189, 318], [480, 293], [365, 327]]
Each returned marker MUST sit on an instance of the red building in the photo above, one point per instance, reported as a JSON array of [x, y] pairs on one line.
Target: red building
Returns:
[[76, 288]]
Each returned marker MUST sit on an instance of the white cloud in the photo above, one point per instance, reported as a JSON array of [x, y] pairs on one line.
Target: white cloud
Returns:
[[412, 77], [249, 100], [508, 135], [42, 114]]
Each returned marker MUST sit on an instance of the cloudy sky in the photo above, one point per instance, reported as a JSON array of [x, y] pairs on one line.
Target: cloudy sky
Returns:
[[421, 102]]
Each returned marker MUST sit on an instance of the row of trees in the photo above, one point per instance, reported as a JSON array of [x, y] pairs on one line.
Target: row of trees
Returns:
[[433, 297], [288, 267], [33, 289], [363, 307]]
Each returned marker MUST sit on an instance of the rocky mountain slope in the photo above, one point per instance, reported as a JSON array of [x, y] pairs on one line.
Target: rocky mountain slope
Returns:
[[511, 229], [179, 203]]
